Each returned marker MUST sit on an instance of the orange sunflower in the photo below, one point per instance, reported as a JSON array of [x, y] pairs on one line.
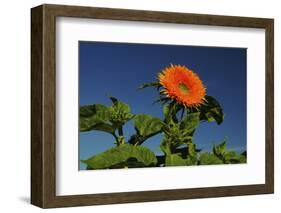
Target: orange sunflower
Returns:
[[182, 85]]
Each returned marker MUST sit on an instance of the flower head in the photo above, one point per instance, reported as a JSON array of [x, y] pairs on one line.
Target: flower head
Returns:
[[182, 85]]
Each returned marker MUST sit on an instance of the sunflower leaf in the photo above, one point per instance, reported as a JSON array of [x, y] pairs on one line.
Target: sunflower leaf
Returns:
[[211, 110], [123, 155], [96, 109], [95, 117], [146, 126], [102, 118]]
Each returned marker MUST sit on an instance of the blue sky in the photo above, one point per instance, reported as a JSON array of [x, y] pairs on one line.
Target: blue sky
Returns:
[[118, 69]]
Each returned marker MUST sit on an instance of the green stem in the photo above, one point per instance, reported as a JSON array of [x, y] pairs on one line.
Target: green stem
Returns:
[[115, 136], [120, 131], [116, 139]]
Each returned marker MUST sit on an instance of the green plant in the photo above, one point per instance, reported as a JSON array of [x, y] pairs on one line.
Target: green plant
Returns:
[[185, 105], [111, 119]]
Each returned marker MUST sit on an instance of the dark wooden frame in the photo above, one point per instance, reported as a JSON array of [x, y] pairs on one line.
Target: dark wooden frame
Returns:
[[43, 105]]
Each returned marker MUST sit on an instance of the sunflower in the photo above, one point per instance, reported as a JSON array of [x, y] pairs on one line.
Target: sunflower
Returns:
[[182, 85]]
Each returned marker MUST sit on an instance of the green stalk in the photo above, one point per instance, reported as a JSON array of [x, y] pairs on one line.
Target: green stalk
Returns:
[[116, 139], [120, 131], [115, 136]]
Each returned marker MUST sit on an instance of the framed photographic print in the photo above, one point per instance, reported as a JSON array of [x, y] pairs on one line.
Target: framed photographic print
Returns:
[[136, 106]]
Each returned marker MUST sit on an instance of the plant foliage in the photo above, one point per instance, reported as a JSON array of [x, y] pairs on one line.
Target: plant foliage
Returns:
[[177, 128]]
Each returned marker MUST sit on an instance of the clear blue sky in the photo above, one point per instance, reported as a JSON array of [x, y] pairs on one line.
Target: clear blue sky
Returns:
[[118, 69]]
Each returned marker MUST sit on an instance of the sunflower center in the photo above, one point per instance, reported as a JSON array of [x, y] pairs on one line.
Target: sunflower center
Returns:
[[183, 88]]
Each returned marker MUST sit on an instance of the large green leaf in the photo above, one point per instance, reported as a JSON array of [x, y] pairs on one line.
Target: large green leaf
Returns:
[[96, 126], [87, 111], [122, 155], [211, 110], [103, 118], [95, 117], [146, 126], [209, 159], [98, 110]]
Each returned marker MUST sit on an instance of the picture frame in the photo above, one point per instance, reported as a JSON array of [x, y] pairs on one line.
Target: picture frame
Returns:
[[43, 105]]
